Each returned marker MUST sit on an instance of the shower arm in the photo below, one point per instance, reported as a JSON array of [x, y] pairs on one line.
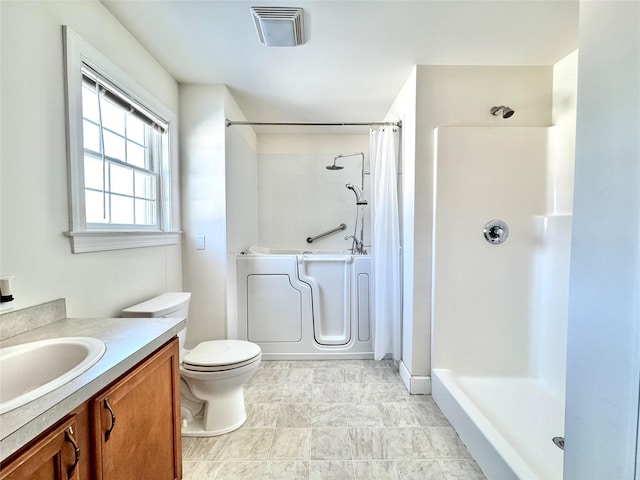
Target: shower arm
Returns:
[[362, 169]]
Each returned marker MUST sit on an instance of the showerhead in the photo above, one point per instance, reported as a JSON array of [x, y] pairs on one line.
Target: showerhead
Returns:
[[506, 111], [340, 167], [358, 194], [334, 166]]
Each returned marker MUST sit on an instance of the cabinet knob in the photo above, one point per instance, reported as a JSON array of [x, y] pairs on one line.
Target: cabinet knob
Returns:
[[107, 434]]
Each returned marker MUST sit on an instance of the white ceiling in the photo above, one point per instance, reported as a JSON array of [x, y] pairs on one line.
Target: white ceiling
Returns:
[[358, 53]]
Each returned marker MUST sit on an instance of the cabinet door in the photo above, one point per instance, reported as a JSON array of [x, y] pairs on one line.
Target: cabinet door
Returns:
[[54, 456], [137, 422]]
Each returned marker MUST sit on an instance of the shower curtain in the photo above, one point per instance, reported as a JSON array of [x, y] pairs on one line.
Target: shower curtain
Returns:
[[386, 242]]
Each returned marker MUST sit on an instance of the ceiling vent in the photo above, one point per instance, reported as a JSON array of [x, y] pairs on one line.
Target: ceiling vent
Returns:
[[279, 26]]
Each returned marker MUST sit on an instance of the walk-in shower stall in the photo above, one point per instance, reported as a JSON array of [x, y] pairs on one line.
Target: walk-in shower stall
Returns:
[[500, 301]]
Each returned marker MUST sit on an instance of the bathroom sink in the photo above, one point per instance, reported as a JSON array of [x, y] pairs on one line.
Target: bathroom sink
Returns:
[[30, 370]]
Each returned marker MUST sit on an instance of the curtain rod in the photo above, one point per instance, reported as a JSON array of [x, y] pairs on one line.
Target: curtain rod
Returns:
[[312, 124]]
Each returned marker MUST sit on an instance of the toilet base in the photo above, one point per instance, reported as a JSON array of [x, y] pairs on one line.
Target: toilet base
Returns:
[[195, 428], [223, 396]]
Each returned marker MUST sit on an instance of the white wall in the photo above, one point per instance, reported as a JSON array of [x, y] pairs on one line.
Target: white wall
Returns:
[[551, 305], [404, 109], [562, 138], [242, 201], [214, 204], [33, 170], [299, 198], [603, 361]]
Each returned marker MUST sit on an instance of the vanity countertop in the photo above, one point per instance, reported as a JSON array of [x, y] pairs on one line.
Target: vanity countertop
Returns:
[[128, 341]]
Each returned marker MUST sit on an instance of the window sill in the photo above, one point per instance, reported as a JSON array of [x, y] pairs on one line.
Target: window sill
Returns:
[[99, 241]]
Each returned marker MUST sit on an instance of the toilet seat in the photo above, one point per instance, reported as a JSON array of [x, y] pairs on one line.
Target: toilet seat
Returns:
[[221, 355]]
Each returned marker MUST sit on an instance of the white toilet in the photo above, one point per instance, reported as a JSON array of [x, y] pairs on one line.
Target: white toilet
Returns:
[[212, 375]]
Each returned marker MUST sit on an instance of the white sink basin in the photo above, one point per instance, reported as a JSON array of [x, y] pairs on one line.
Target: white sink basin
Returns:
[[30, 370]]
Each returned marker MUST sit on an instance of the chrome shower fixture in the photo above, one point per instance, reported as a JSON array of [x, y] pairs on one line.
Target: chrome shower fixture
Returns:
[[506, 111], [334, 166], [340, 167], [358, 194]]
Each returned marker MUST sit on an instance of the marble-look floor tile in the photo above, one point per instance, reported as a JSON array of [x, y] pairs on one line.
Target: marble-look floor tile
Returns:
[[399, 414], [379, 364], [294, 415], [363, 415], [446, 443], [291, 444], [428, 414], [461, 470], [381, 375], [328, 415], [376, 470], [207, 449], [420, 470], [270, 375], [327, 393], [337, 419], [261, 415], [353, 375], [331, 470], [296, 393], [252, 444], [300, 375], [201, 470], [422, 398], [287, 471], [408, 443], [262, 393], [330, 444], [374, 392], [275, 364], [242, 471], [331, 363], [303, 364], [187, 444], [328, 375], [369, 444]]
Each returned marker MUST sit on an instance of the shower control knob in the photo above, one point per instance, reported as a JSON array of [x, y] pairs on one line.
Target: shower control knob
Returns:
[[496, 232]]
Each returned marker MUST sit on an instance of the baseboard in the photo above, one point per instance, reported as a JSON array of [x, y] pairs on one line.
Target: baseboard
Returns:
[[416, 385]]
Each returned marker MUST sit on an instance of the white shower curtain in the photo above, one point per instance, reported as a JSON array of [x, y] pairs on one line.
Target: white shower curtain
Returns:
[[386, 242]]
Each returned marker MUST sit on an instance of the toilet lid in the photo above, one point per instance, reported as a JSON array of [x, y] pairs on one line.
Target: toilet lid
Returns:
[[217, 355]]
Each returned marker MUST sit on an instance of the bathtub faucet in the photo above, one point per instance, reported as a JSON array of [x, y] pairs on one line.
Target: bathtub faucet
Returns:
[[357, 246]]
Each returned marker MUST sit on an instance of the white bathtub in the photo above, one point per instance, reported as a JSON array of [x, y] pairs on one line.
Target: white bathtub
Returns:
[[305, 304]]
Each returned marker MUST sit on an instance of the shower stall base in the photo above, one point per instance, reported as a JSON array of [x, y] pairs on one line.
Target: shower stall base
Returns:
[[507, 423], [305, 305]]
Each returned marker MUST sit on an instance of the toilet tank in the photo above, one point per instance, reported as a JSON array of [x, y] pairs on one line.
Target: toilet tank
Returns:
[[170, 304]]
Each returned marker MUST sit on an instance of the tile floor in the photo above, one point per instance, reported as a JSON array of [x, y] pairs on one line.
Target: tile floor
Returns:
[[332, 419]]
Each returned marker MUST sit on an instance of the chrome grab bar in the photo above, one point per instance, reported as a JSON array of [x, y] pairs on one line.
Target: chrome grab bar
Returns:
[[342, 226]]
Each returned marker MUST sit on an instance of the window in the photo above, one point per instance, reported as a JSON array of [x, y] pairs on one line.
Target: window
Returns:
[[119, 149]]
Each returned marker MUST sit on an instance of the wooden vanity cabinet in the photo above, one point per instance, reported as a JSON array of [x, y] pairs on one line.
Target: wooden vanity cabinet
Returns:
[[59, 454], [137, 422], [137, 437]]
